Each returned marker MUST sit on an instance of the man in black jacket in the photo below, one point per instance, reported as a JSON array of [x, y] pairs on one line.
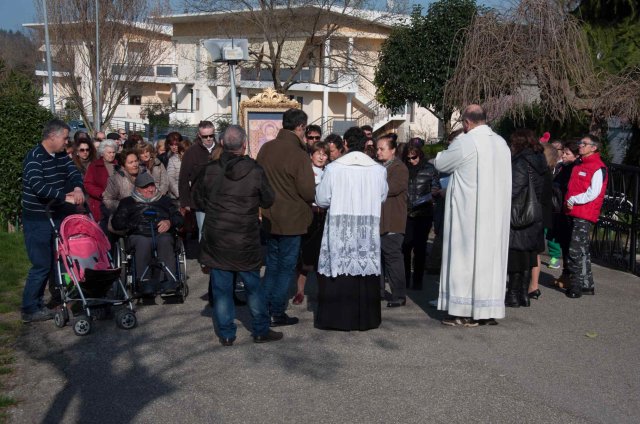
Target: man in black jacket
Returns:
[[231, 191], [136, 215]]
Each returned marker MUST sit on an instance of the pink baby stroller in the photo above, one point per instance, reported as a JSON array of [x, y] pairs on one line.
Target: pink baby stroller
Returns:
[[89, 284]]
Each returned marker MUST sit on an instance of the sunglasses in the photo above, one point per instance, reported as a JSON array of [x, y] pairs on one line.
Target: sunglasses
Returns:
[[83, 150], [313, 137], [208, 136]]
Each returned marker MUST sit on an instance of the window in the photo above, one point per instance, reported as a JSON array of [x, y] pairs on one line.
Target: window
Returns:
[[298, 99], [135, 100], [135, 52]]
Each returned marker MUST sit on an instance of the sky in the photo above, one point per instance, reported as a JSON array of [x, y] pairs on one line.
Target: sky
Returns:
[[14, 13]]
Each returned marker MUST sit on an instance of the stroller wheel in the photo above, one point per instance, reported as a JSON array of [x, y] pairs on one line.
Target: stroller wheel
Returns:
[[82, 325], [60, 318], [126, 319]]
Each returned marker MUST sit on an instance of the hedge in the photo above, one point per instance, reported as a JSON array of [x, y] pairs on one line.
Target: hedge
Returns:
[[21, 123]]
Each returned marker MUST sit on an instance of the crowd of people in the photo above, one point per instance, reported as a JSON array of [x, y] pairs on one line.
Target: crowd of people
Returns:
[[355, 210]]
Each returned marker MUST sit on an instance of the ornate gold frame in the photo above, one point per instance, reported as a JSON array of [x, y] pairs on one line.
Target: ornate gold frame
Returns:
[[269, 101]]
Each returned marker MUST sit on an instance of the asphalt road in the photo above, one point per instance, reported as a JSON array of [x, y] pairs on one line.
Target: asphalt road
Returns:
[[561, 361]]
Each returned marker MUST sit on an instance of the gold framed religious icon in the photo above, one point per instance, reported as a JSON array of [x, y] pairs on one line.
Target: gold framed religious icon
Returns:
[[261, 117]]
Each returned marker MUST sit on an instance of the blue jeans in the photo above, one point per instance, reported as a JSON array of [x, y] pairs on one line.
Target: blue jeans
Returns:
[[282, 258], [224, 310], [200, 222], [38, 239]]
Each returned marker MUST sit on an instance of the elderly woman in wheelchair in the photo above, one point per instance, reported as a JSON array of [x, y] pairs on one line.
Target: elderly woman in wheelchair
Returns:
[[150, 220]]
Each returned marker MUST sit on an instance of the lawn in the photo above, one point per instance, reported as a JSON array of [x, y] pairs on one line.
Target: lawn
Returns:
[[14, 265]]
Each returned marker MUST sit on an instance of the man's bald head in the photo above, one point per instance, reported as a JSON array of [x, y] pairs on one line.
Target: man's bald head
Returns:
[[472, 117]]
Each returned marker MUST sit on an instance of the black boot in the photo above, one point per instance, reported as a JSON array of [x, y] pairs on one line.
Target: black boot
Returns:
[[523, 290], [511, 298]]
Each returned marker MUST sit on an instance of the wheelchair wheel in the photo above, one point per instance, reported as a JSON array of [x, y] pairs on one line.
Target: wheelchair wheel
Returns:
[[182, 263], [183, 292], [239, 292]]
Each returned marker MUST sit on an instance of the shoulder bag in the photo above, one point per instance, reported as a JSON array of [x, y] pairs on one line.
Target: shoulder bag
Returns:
[[525, 209]]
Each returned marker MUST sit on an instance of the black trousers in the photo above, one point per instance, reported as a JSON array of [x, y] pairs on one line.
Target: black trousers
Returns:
[[415, 241], [393, 264]]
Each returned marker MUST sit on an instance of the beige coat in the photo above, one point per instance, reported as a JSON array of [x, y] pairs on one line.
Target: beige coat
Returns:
[[119, 185]]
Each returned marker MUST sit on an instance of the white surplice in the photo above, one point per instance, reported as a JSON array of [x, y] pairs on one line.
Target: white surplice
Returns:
[[353, 187], [476, 224]]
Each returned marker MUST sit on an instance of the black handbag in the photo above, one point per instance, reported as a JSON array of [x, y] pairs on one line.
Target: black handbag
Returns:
[[525, 209]]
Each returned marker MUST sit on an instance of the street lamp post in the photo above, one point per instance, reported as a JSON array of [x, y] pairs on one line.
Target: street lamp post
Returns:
[[230, 51], [52, 104], [97, 118]]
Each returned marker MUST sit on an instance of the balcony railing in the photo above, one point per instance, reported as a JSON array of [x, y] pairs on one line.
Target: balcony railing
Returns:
[[161, 71], [249, 74], [55, 67]]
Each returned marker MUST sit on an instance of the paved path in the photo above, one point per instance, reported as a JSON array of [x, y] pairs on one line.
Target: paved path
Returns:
[[538, 365]]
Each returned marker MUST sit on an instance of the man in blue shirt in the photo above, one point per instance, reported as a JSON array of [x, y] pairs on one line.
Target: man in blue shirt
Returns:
[[48, 174]]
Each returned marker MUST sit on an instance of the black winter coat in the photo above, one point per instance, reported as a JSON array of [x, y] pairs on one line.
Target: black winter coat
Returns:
[[421, 178], [231, 191], [523, 164], [130, 215]]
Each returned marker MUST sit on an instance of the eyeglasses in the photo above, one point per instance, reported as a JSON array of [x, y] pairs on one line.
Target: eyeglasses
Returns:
[[83, 150], [208, 136], [413, 157], [582, 143], [313, 137]]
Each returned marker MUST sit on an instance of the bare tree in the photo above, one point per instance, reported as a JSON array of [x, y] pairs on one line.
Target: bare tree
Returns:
[[278, 22], [535, 52], [129, 44]]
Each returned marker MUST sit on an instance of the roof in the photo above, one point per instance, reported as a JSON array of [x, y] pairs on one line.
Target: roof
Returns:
[[385, 19], [161, 29]]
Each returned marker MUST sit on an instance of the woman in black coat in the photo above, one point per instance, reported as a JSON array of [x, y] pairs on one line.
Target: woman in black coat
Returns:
[[422, 176], [525, 243]]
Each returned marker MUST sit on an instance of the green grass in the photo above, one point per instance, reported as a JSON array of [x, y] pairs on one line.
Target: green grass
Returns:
[[14, 265]]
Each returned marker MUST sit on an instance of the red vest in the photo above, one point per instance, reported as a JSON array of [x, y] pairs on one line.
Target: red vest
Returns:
[[579, 183]]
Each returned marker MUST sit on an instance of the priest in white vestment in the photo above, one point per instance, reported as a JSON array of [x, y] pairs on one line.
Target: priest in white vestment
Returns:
[[476, 223], [353, 188]]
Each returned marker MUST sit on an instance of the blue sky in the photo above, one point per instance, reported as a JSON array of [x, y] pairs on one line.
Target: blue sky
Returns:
[[14, 13]]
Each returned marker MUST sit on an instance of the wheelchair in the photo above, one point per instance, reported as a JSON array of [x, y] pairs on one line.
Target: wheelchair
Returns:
[[125, 256]]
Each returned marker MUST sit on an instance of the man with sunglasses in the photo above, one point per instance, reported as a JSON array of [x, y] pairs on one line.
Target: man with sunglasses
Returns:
[[196, 157], [584, 198], [312, 134]]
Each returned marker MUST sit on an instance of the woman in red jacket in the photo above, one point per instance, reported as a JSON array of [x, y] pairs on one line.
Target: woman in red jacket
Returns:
[[98, 172]]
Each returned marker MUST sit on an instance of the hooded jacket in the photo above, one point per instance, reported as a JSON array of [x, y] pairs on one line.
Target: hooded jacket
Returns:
[[524, 164], [231, 191]]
